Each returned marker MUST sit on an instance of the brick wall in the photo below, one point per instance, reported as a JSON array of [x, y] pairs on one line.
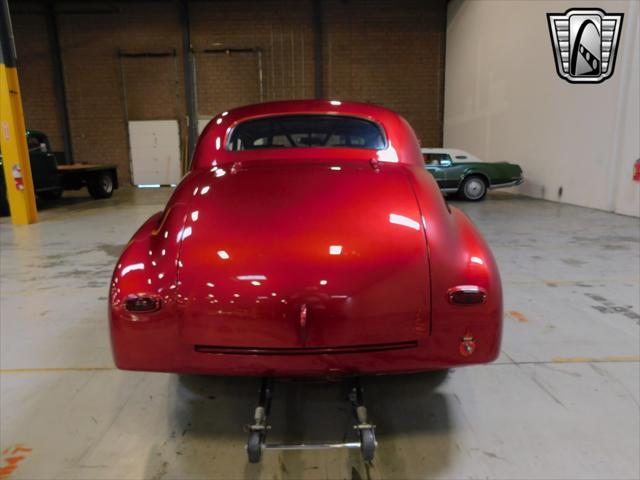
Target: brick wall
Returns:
[[281, 29], [36, 77], [392, 56], [93, 75], [372, 52]]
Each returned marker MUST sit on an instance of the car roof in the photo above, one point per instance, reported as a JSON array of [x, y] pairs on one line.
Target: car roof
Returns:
[[402, 144], [450, 151], [312, 106], [454, 152], [39, 133]]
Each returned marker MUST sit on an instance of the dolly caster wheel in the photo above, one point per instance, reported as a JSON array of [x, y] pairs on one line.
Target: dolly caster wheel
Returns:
[[367, 444], [254, 447]]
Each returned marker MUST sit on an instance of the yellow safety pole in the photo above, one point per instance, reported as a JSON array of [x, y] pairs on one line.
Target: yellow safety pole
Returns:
[[13, 140]]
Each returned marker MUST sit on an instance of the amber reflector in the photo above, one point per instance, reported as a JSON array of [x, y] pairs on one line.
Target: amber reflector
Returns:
[[142, 304]]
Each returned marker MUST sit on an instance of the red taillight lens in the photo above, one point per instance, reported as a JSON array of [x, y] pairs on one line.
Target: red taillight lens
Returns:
[[142, 304], [467, 295]]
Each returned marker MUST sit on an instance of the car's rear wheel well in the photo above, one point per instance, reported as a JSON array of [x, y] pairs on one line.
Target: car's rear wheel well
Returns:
[[473, 187], [484, 177]]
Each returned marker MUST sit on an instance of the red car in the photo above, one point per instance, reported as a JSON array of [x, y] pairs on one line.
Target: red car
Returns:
[[307, 240]]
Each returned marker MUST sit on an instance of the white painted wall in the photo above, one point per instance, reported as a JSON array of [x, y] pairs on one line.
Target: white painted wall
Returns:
[[202, 123], [505, 102]]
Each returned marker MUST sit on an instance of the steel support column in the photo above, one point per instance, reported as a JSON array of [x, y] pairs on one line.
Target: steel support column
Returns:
[[192, 114], [13, 142], [58, 79]]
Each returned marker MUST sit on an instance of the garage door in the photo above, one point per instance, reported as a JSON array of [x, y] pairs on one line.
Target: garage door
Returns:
[[155, 152]]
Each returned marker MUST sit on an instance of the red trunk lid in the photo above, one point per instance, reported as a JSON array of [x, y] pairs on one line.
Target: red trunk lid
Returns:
[[314, 255]]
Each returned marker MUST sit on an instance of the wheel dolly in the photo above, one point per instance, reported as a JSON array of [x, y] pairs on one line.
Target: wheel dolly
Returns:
[[258, 430]]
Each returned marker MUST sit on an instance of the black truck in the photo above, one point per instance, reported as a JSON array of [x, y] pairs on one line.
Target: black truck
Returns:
[[52, 173]]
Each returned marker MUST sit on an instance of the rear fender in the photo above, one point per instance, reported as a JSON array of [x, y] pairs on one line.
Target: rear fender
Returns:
[[458, 255], [149, 264], [464, 259]]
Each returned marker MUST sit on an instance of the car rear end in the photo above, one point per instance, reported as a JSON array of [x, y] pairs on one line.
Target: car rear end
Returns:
[[300, 261]]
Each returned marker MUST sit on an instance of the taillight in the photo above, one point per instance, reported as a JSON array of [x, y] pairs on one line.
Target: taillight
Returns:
[[142, 303], [467, 295]]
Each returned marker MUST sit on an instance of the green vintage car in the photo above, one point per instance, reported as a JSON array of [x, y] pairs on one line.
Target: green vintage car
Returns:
[[457, 171]]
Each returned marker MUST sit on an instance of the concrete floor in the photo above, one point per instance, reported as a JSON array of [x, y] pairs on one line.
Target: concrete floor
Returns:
[[562, 401]]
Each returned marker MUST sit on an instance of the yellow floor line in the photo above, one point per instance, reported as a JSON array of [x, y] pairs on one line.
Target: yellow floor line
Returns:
[[609, 359], [619, 358], [60, 369]]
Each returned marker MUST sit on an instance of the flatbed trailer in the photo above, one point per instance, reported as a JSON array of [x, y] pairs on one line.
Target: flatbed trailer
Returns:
[[52, 174], [100, 179]]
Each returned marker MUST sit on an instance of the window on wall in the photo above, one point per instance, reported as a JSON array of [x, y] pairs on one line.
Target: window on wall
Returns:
[[300, 131]]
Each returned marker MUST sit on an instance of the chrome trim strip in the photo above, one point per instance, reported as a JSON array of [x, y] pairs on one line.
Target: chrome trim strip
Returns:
[[508, 184], [336, 350]]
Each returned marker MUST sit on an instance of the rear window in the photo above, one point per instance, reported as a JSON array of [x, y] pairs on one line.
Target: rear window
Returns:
[[299, 131], [435, 158]]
